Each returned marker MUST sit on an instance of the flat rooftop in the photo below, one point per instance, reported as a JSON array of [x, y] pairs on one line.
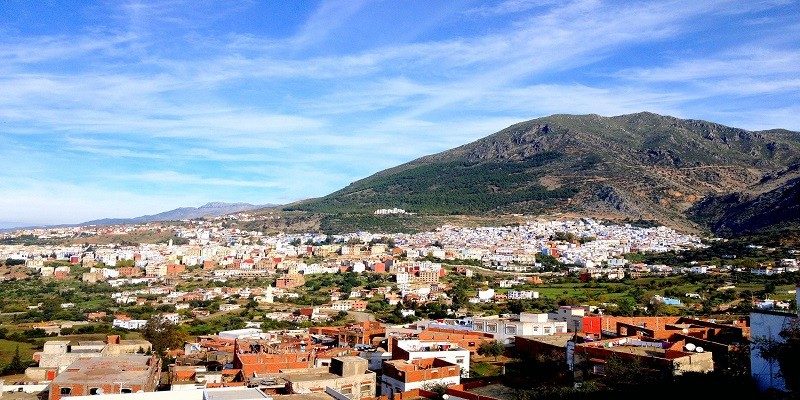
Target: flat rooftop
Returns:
[[559, 339], [310, 376], [99, 370]]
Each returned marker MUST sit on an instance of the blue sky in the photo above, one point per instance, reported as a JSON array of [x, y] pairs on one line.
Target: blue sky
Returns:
[[113, 109]]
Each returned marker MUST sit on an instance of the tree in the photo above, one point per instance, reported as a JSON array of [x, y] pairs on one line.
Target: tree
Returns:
[[15, 366], [491, 348], [626, 306], [163, 334]]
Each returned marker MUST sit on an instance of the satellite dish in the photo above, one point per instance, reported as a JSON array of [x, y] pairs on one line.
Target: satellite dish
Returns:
[[690, 347], [699, 349], [100, 391]]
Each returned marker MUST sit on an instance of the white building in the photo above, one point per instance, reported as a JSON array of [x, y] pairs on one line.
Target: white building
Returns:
[[129, 324], [572, 316], [766, 326], [522, 295], [402, 376], [246, 333], [503, 329], [413, 349]]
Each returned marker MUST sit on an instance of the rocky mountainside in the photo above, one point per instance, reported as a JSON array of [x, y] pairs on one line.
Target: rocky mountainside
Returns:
[[640, 166], [772, 203]]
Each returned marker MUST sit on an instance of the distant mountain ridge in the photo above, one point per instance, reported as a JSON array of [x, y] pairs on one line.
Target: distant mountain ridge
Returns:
[[213, 209], [641, 166]]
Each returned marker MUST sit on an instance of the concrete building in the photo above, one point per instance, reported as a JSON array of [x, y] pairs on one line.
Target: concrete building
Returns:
[[592, 356], [129, 324], [228, 393], [257, 358], [573, 316], [347, 375], [503, 329], [415, 349], [121, 374], [402, 376], [57, 355]]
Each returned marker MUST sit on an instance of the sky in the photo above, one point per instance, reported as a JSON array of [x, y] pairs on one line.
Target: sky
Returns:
[[124, 108]]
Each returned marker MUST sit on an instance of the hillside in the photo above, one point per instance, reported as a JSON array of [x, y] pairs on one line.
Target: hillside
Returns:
[[640, 166], [213, 209], [774, 202]]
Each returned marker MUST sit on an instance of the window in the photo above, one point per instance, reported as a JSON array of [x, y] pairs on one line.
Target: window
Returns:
[[511, 330], [95, 391], [479, 326], [546, 331], [65, 391], [126, 390], [491, 327]]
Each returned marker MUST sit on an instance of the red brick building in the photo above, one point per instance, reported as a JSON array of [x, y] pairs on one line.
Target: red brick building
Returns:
[[259, 358]]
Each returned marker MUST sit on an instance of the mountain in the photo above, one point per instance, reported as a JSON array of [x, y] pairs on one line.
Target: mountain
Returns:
[[213, 209], [774, 202], [640, 166]]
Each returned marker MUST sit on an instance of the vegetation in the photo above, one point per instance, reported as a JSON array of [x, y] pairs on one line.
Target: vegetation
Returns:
[[164, 335], [471, 187], [491, 348]]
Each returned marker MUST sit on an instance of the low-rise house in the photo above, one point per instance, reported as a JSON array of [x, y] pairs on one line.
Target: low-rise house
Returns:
[[415, 349], [401, 376], [95, 376], [347, 376], [503, 329]]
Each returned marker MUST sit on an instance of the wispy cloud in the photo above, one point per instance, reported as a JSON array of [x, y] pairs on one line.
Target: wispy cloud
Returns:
[[184, 98]]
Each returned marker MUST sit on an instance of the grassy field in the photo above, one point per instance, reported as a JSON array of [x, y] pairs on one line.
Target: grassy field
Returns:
[[7, 349], [484, 369]]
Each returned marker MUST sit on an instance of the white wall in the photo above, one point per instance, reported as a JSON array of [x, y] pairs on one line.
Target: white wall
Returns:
[[767, 326]]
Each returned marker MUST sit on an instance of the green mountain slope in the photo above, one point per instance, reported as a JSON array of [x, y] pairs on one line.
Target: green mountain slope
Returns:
[[637, 166]]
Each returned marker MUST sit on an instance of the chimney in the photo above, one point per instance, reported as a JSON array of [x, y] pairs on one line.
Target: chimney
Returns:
[[112, 339]]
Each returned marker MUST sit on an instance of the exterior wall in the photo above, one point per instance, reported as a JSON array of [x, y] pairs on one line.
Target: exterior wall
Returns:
[[78, 388], [359, 386], [767, 326], [504, 330], [390, 385], [689, 362], [465, 339], [401, 376]]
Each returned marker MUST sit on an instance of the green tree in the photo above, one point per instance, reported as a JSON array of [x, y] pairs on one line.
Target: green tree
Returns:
[[626, 306], [163, 334], [15, 366], [491, 348]]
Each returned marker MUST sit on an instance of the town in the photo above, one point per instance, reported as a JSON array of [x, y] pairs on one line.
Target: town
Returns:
[[210, 310]]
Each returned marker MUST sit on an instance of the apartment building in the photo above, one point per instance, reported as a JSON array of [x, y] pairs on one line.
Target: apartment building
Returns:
[[503, 329]]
